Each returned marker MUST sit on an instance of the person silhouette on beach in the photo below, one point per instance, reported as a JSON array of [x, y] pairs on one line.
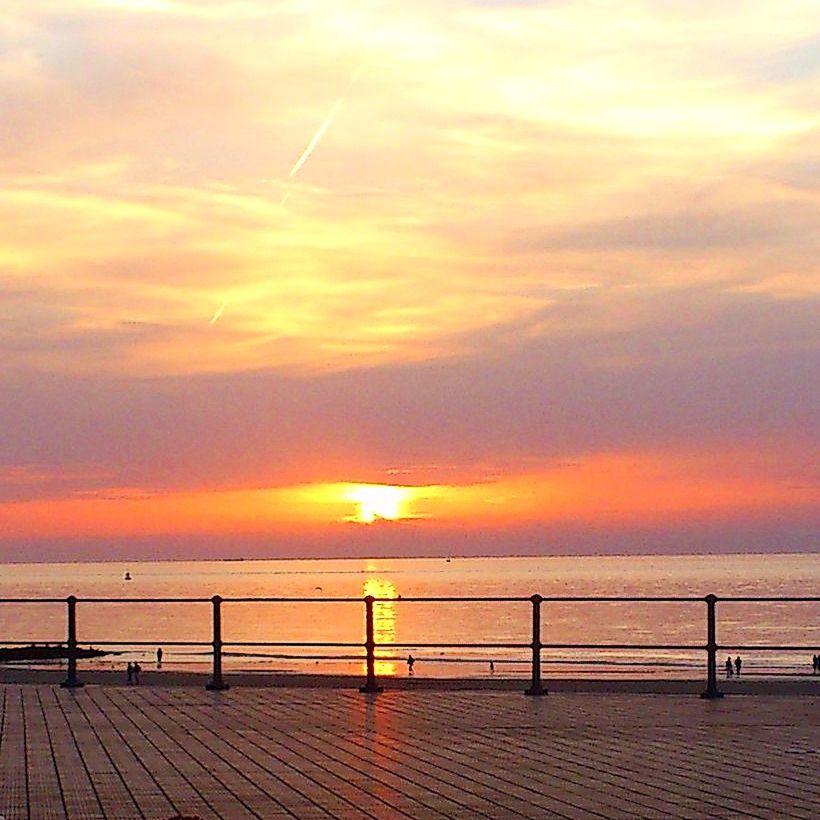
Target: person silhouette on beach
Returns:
[[129, 672], [137, 670], [159, 657], [729, 668], [410, 662], [738, 664], [492, 667]]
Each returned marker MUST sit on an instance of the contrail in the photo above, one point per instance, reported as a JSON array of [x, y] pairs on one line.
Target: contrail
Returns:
[[320, 132], [219, 311], [323, 127]]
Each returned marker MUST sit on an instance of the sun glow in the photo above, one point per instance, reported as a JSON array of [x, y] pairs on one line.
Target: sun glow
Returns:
[[378, 501]]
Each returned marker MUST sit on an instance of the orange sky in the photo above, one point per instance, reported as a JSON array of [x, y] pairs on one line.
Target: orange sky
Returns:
[[551, 268]]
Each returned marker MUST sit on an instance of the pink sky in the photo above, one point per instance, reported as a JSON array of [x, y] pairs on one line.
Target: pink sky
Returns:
[[309, 278]]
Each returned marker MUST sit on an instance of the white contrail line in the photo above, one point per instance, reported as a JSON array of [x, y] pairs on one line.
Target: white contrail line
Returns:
[[320, 132], [219, 312], [323, 127]]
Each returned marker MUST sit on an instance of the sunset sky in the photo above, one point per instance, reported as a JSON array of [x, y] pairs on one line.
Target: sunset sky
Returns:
[[382, 277]]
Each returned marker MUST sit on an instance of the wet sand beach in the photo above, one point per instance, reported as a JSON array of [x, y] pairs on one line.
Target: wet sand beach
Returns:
[[805, 684]]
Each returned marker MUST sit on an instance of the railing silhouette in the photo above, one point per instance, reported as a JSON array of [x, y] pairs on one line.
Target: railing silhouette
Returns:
[[370, 645]]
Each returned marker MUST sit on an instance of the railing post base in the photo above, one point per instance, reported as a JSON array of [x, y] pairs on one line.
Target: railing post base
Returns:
[[371, 687], [71, 681], [216, 684], [536, 689], [712, 692]]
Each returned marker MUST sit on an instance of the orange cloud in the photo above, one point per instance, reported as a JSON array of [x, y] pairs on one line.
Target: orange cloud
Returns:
[[616, 489]]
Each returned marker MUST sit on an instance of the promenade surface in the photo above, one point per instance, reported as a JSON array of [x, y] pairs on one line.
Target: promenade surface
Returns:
[[156, 752]]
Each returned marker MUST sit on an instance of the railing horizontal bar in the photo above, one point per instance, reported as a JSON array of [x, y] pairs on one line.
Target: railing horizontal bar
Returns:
[[447, 599], [148, 643], [358, 645], [768, 648], [416, 645], [394, 599], [456, 599], [292, 600], [692, 647], [144, 600], [546, 600], [381, 645], [776, 600], [679, 646], [424, 645]]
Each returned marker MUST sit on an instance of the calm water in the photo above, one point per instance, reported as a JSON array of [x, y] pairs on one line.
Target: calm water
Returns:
[[412, 623]]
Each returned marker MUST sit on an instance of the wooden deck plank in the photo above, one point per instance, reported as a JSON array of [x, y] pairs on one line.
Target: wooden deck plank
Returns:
[[127, 752], [78, 793], [137, 773], [132, 793], [13, 776], [333, 793], [162, 748], [44, 792], [371, 769]]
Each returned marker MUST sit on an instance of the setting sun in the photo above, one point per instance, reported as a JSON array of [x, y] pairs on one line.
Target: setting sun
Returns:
[[378, 501]]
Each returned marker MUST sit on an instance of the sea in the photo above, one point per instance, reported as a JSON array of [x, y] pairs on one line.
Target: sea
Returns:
[[445, 638]]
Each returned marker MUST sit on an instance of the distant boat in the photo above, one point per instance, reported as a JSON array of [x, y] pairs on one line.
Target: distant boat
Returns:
[[127, 576]]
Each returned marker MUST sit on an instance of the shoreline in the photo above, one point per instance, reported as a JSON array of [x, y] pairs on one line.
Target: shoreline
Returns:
[[809, 686]]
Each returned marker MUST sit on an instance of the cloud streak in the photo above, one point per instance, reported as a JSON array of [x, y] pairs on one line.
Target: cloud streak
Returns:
[[316, 138], [528, 245]]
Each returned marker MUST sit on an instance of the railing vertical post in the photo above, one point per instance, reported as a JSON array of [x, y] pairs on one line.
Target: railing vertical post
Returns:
[[712, 690], [72, 681], [535, 686], [370, 684], [216, 683]]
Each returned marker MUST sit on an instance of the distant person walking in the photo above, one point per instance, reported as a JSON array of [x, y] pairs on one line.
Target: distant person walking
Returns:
[[492, 667], [410, 663], [815, 664], [738, 664], [159, 657], [129, 672], [729, 668], [137, 670]]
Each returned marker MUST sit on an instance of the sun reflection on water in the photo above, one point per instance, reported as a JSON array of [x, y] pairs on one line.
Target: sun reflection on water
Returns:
[[384, 622]]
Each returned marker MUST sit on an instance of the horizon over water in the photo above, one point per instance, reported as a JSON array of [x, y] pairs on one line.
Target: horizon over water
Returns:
[[420, 557], [409, 623]]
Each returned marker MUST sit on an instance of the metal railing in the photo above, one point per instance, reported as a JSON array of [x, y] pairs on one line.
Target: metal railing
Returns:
[[370, 645]]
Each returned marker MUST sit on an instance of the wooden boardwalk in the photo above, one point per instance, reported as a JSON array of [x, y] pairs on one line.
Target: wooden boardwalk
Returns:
[[152, 752]]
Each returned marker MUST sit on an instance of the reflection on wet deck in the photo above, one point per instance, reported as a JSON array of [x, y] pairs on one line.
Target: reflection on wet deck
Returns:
[[118, 751]]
